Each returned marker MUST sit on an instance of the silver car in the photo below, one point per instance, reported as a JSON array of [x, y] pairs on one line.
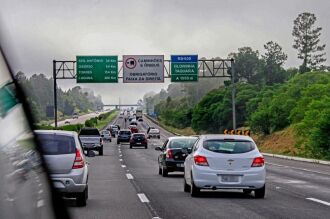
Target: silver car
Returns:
[[66, 162], [225, 162], [106, 135]]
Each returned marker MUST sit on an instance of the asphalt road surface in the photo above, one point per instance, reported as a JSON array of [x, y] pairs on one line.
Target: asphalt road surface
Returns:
[[124, 183]]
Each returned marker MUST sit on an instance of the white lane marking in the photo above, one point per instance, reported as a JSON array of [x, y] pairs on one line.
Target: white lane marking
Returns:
[[40, 203], [120, 155], [120, 159], [156, 218], [297, 168], [40, 191], [123, 166], [127, 170], [319, 201], [143, 198], [129, 176]]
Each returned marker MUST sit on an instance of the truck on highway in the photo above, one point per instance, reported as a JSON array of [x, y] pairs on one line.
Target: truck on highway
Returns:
[[138, 114], [91, 140]]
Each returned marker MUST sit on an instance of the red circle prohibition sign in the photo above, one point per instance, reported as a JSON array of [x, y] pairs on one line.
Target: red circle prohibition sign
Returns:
[[130, 63]]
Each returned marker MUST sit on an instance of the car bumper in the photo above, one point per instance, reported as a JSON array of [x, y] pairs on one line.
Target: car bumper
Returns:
[[67, 185], [173, 165], [138, 145], [207, 178], [89, 147], [123, 139], [154, 136]]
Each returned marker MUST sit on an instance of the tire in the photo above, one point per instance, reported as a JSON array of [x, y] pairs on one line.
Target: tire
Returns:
[[159, 171], [118, 142], [110, 140], [146, 147], [260, 193], [186, 187], [164, 172], [158, 137], [130, 146], [81, 199], [194, 191], [101, 151]]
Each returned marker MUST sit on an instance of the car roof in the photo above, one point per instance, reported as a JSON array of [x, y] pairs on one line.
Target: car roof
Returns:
[[125, 130], [59, 132], [181, 137], [139, 134], [89, 128], [222, 136]]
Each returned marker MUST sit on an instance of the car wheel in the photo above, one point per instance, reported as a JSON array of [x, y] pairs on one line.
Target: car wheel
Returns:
[[194, 191], [81, 198], [158, 137], [110, 140], [159, 171], [130, 146], [260, 193], [118, 142], [146, 147], [186, 187], [101, 151], [164, 172]]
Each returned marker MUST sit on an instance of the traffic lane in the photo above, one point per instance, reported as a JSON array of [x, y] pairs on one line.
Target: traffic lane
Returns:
[[80, 119], [163, 133], [167, 196], [111, 195]]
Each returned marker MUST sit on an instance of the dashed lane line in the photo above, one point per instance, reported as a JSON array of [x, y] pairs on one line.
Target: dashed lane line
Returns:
[[123, 166], [143, 198], [319, 201], [129, 176], [297, 168]]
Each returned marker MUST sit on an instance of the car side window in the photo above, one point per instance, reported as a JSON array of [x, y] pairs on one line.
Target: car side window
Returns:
[[164, 145], [195, 147]]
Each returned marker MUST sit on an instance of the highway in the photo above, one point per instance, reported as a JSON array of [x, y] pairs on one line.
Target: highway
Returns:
[[81, 119], [124, 183]]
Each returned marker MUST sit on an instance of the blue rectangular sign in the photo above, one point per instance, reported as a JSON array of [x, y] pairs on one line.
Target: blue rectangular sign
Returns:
[[184, 58]]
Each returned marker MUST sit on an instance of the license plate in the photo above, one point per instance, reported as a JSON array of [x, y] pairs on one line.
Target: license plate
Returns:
[[229, 178], [180, 165], [138, 143]]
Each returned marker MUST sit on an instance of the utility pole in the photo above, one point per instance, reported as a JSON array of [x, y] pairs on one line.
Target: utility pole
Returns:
[[233, 92], [55, 92]]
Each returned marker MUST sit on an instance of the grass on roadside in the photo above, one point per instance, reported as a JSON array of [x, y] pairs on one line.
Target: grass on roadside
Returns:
[[104, 122]]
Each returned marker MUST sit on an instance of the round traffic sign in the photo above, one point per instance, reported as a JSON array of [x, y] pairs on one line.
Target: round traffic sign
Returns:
[[130, 63]]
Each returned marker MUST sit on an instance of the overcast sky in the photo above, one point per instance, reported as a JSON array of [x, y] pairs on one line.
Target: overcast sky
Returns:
[[38, 31]]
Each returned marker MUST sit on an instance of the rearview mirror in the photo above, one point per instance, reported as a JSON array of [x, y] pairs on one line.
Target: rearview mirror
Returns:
[[158, 148]]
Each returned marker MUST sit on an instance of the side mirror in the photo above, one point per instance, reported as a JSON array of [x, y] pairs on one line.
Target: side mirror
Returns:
[[90, 154], [158, 148]]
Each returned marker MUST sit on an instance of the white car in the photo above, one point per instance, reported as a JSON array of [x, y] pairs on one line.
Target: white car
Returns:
[[225, 162], [154, 133]]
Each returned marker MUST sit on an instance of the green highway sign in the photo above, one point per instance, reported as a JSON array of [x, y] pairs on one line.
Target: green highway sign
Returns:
[[97, 69], [184, 68]]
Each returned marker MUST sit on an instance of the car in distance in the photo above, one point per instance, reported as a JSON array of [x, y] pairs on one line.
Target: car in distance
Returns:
[[140, 119], [133, 128], [106, 135], [138, 140], [173, 154], [149, 128], [91, 140], [114, 130], [225, 162], [67, 122], [75, 116], [124, 135], [66, 162], [154, 133]]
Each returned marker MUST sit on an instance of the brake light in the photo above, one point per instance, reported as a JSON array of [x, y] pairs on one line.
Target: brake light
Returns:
[[78, 161], [200, 160], [169, 153], [258, 162]]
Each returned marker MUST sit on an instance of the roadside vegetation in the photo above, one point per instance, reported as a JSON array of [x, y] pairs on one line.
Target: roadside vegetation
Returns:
[[288, 107]]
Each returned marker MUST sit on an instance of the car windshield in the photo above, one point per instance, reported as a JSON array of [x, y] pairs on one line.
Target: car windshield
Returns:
[[229, 146], [89, 132], [154, 131], [124, 132], [53, 144], [105, 133], [138, 136], [182, 143]]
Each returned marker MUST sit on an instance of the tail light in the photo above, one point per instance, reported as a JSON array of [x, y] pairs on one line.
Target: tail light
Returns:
[[169, 153], [78, 161], [258, 162], [200, 160]]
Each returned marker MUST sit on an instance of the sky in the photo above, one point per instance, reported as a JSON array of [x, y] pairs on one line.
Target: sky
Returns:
[[36, 32]]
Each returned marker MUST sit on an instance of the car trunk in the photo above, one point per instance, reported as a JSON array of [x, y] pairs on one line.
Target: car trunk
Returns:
[[60, 164], [178, 154], [236, 162]]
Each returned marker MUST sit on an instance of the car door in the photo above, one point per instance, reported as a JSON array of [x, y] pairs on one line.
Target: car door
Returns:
[[161, 157], [189, 161]]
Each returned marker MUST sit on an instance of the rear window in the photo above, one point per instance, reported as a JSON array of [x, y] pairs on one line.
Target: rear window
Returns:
[[53, 144], [105, 132], [154, 131], [182, 143], [229, 146], [124, 132], [89, 132], [138, 136]]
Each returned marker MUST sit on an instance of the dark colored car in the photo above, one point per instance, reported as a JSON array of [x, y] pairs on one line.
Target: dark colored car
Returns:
[[138, 140], [124, 136], [173, 154]]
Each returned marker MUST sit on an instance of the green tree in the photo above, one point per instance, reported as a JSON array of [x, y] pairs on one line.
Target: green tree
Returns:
[[246, 64], [307, 42], [272, 62]]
